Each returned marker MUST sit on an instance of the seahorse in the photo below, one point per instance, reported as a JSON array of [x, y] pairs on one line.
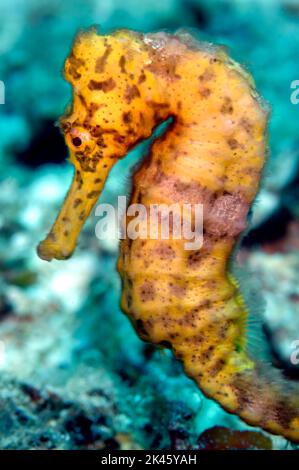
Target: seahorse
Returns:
[[212, 153]]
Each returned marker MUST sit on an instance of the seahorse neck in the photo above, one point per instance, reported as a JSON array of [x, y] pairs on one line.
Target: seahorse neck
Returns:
[[180, 152]]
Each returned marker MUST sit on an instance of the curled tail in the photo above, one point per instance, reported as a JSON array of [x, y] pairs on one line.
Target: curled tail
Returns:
[[205, 323], [267, 400], [227, 372]]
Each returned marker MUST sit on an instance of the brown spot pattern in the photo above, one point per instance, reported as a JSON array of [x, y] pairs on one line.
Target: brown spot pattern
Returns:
[[233, 143], [227, 106], [127, 117], [101, 61], [205, 92], [74, 64], [122, 64], [131, 93], [147, 291], [77, 202], [105, 85]]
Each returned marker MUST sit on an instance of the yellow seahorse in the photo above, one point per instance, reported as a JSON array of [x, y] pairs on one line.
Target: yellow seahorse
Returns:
[[213, 152]]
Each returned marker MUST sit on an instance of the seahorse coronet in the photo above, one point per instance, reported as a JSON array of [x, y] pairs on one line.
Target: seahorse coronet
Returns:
[[213, 153]]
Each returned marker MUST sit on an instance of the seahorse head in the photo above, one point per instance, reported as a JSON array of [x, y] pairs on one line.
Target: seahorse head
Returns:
[[107, 113], [107, 118]]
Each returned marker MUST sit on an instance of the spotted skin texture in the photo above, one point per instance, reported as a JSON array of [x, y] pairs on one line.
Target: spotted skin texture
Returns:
[[213, 153]]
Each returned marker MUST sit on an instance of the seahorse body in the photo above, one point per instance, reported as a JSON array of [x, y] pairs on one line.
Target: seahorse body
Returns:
[[213, 153]]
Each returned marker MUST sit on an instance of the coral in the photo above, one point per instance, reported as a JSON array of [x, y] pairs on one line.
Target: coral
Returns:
[[220, 438]]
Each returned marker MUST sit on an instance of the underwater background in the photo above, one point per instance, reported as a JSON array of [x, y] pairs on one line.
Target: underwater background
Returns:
[[73, 373]]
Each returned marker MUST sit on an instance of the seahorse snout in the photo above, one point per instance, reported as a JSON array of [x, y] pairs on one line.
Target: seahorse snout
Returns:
[[50, 249], [61, 241]]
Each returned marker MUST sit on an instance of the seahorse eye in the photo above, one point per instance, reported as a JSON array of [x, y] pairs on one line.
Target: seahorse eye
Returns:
[[77, 141], [79, 138]]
